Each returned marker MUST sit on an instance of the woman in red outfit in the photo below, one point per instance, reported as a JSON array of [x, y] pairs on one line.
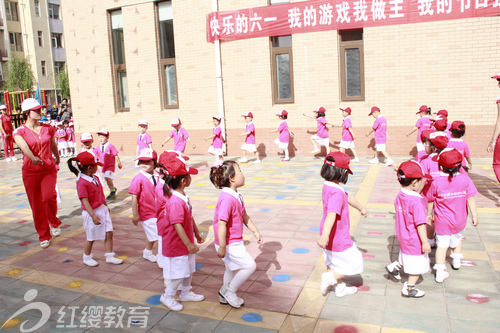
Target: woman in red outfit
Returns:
[[6, 128], [494, 145], [37, 142]]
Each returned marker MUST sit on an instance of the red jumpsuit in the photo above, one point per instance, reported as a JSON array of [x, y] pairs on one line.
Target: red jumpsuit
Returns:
[[8, 139], [40, 180]]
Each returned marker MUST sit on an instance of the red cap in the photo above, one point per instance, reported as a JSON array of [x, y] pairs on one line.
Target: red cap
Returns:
[[440, 124], [426, 134], [175, 122], [423, 108], [320, 109], [147, 154], [219, 118], [341, 160], [103, 132], [496, 76], [456, 125], [442, 112], [176, 164], [413, 170], [439, 141], [86, 158], [375, 108], [449, 158], [282, 113], [347, 109], [248, 114]]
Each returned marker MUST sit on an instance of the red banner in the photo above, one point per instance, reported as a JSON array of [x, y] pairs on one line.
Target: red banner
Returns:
[[321, 15]]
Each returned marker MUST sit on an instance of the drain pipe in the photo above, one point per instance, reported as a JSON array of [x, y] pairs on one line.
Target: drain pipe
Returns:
[[220, 90]]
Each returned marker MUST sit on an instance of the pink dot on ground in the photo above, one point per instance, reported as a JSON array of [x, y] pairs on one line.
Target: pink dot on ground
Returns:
[[373, 232], [463, 238], [65, 226], [478, 298], [468, 263], [379, 215], [368, 255], [361, 287], [22, 221], [345, 329], [24, 243]]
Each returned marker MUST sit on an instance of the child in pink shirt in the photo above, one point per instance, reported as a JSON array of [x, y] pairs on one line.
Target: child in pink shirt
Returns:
[[423, 124], [143, 191], [62, 142], [284, 138], [229, 218], [348, 136], [249, 135], [342, 257], [411, 220], [441, 125], [380, 129], [143, 139], [178, 230], [321, 138], [217, 139], [426, 141], [108, 156], [70, 137], [96, 219], [457, 132], [449, 196], [180, 136]]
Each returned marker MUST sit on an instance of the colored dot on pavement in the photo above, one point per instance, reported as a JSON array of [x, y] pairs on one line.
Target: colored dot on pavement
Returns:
[[281, 277], [300, 250], [154, 300], [122, 257], [65, 226], [311, 171], [14, 272], [75, 284], [346, 188], [292, 187], [24, 243], [269, 170], [374, 232], [201, 184], [265, 209], [302, 178], [210, 207], [11, 323], [368, 255], [251, 317], [345, 329], [379, 215], [70, 178], [18, 194], [62, 249], [318, 165], [198, 266], [468, 263], [279, 197], [362, 287], [314, 229], [463, 238], [22, 221], [478, 298], [19, 206]]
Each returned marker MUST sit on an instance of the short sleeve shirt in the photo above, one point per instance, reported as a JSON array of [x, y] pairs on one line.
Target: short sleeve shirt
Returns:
[[160, 204], [145, 191], [284, 133], [143, 141], [70, 135], [62, 135], [421, 155], [180, 136], [177, 210], [229, 208], [346, 134], [380, 127], [39, 144], [7, 124], [90, 188], [107, 155], [423, 124], [411, 212], [461, 146], [250, 138], [322, 130], [217, 141]]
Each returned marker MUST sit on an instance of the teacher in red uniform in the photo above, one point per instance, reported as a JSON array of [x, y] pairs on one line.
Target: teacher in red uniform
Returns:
[[36, 141]]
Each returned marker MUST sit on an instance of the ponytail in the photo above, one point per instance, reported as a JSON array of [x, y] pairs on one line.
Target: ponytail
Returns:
[[220, 175]]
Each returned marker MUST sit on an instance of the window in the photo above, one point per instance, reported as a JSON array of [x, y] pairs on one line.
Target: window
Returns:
[[11, 11], [37, 8], [57, 41], [43, 69], [54, 11], [352, 69], [40, 38], [16, 43], [282, 69], [58, 66], [167, 56], [118, 56]]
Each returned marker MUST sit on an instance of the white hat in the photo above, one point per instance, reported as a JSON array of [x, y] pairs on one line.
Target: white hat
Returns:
[[86, 137], [219, 118], [103, 131], [176, 122], [3, 107], [30, 104], [147, 154], [143, 123]]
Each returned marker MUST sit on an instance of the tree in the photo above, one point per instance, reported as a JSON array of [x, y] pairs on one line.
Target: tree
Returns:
[[19, 75], [62, 82]]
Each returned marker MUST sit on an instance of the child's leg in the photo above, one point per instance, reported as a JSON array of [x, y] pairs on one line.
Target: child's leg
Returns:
[[441, 255], [150, 245], [342, 150], [315, 144], [409, 289], [87, 254], [110, 183], [87, 247], [430, 234], [241, 276], [257, 157], [328, 149], [440, 267], [413, 278], [354, 153], [186, 294], [456, 255], [287, 156], [108, 242], [168, 297]]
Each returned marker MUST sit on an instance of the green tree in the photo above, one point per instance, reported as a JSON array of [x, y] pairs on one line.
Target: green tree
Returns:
[[19, 75], [62, 82]]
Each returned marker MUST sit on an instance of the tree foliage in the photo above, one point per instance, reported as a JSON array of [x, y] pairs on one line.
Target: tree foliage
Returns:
[[62, 82], [19, 75]]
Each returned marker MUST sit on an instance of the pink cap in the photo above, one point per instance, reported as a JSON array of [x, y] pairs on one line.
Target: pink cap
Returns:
[[347, 109], [373, 109], [412, 170], [248, 114], [496, 76], [442, 112], [423, 108], [282, 113], [441, 124], [341, 160], [426, 135], [219, 118], [456, 125], [86, 158], [439, 141], [143, 123]]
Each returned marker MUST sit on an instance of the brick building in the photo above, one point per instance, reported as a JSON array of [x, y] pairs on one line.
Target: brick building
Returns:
[[151, 60]]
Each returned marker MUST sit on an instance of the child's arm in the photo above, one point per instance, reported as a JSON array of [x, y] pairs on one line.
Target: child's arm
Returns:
[[137, 151], [150, 145], [88, 208], [118, 161], [496, 132], [352, 133], [246, 133], [1, 127], [166, 140], [412, 131], [199, 237], [192, 248], [135, 210], [274, 131], [210, 137], [221, 233], [55, 151], [327, 228], [471, 204], [430, 207], [192, 144], [352, 201], [305, 115], [469, 162], [330, 124], [422, 234], [249, 223], [368, 134]]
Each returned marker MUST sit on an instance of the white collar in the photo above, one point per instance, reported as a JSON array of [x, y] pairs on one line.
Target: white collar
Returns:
[[231, 191], [332, 184], [107, 143], [432, 155], [283, 121], [426, 116], [456, 139], [348, 116], [87, 178], [184, 198], [148, 175], [410, 192], [250, 123], [320, 117], [217, 126], [442, 174]]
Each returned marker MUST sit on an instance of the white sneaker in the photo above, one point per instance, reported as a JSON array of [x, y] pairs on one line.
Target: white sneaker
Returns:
[[411, 291], [230, 297], [456, 262], [394, 269], [110, 259], [256, 162], [315, 151], [355, 160], [191, 297], [243, 160], [223, 301], [389, 161], [341, 290], [87, 260], [441, 275], [374, 161], [148, 255], [326, 283], [13, 158], [171, 303], [44, 244], [285, 159], [8, 159], [55, 231]]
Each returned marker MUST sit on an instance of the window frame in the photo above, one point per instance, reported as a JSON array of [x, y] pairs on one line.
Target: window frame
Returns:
[[274, 73], [116, 68], [40, 38], [352, 44], [18, 41], [8, 11], [43, 66], [37, 8], [56, 40], [58, 68], [53, 6]]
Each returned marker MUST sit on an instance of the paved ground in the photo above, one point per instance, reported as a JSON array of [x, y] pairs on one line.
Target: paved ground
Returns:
[[283, 294]]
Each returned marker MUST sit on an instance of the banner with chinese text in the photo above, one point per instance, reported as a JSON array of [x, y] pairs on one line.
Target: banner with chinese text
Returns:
[[321, 15]]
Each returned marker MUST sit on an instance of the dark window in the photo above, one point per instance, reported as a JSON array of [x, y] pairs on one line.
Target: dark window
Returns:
[[282, 69], [167, 55], [118, 59], [352, 76]]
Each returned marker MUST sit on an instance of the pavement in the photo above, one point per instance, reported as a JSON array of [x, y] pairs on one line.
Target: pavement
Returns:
[[52, 288]]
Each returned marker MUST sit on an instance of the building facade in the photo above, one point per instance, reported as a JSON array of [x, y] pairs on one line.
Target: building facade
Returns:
[[151, 60]]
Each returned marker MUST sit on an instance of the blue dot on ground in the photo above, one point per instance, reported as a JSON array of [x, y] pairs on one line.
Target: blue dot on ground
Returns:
[[265, 209], [18, 194], [311, 171], [300, 250], [281, 277], [251, 317], [72, 178], [314, 229], [198, 266], [280, 197], [291, 187], [302, 178], [19, 206], [318, 165], [120, 174], [346, 188], [154, 300]]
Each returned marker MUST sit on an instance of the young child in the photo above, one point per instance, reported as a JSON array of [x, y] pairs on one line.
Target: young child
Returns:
[[321, 138], [411, 221], [449, 196], [7, 138], [178, 230], [442, 114], [249, 135], [348, 136], [380, 129], [342, 257], [441, 125], [108, 156], [143, 139], [284, 138], [426, 141], [229, 218], [62, 143], [424, 123], [457, 132], [217, 139], [87, 141], [180, 136], [71, 138], [143, 194], [96, 220]]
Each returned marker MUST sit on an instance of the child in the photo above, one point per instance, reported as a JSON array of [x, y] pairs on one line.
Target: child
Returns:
[[7, 138], [217, 139], [87, 141], [62, 143], [436, 143], [457, 131], [96, 220], [143, 139], [441, 125], [348, 137], [442, 114], [450, 195], [180, 136], [249, 144], [284, 137], [426, 141], [342, 257], [229, 218], [321, 138], [410, 209], [380, 129], [143, 194], [424, 123], [178, 230], [71, 138], [108, 155]]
